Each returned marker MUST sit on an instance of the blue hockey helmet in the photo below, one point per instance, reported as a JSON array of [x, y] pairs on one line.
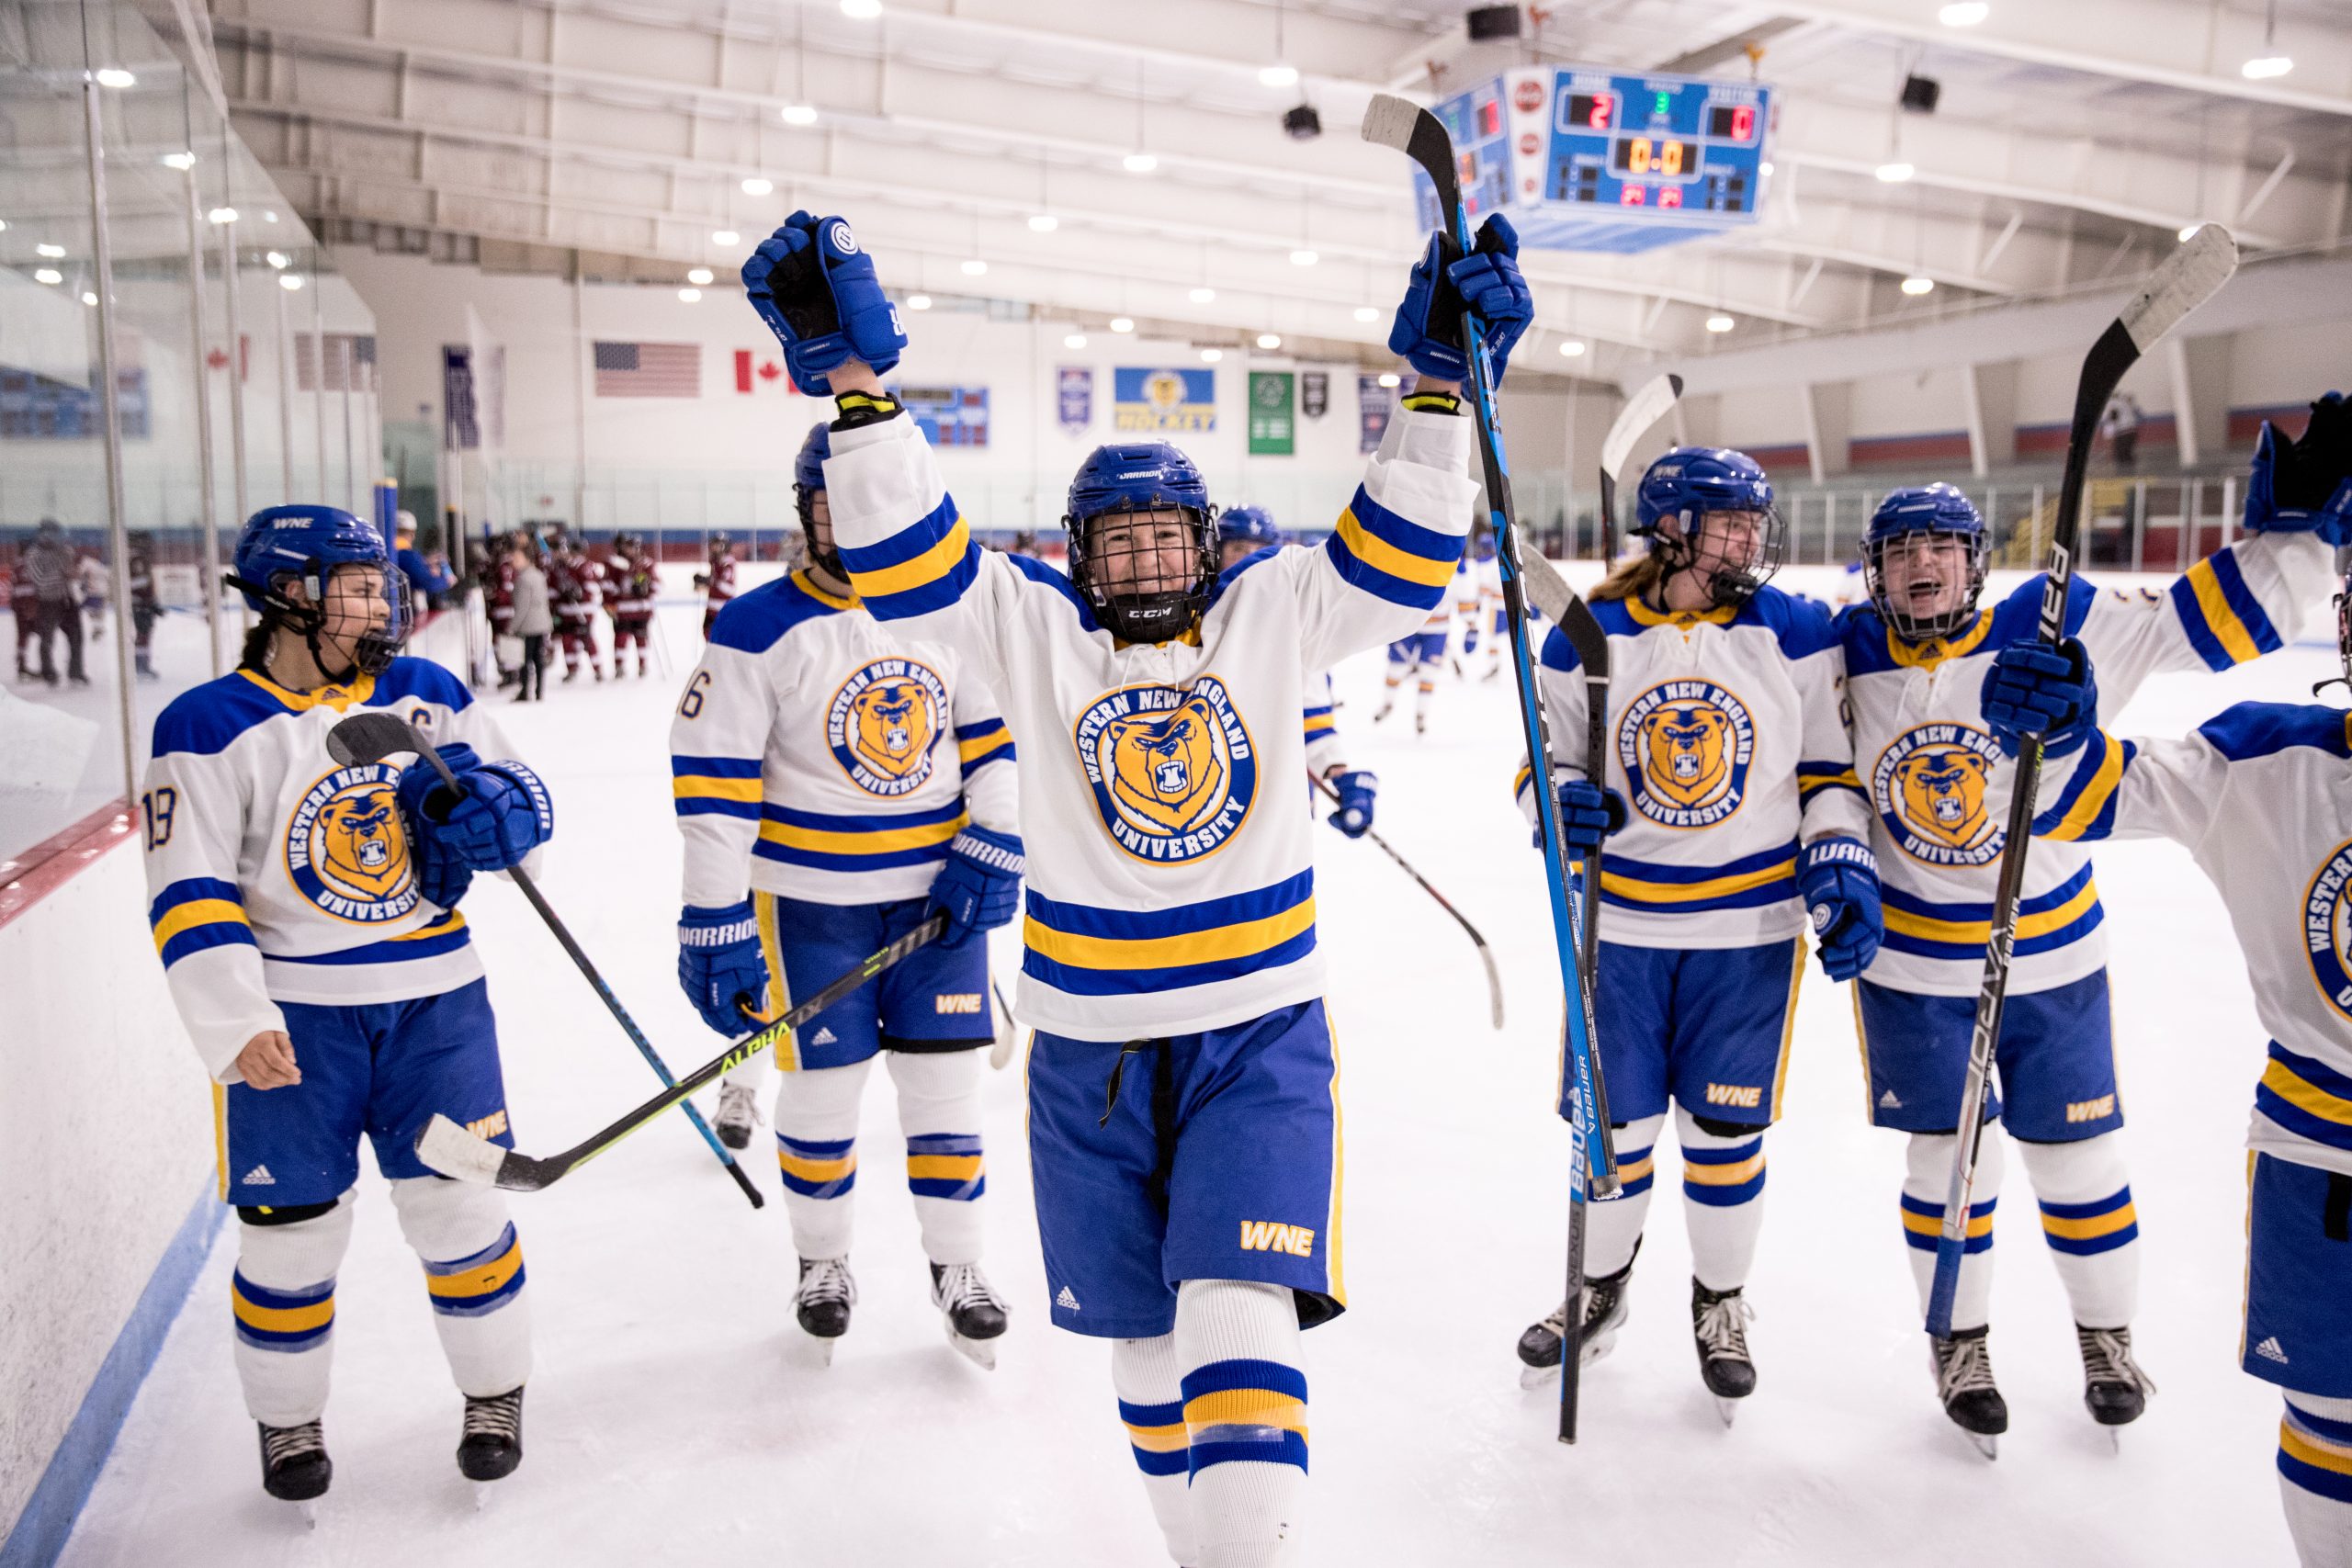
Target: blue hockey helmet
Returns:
[[1685, 487], [1934, 510], [808, 484], [1140, 477], [304, 544], [1247, 526]]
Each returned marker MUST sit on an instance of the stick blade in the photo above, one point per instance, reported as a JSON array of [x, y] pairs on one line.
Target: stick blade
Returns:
[[1390, 121], [368, 736], [1494, 982], [2190, 275], [1644, 409], [458, 1154]]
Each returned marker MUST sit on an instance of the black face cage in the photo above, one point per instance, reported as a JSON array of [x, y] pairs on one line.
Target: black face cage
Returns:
[[1146, 617], [1727, 585], [374, 651], [828, 557], [1917, 628]]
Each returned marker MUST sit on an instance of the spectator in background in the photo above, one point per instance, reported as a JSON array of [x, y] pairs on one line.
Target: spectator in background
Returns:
[[2121, 425], [533, 619], [146, 607], [25, 604], [48, 563], [90, 578], [428, 576]]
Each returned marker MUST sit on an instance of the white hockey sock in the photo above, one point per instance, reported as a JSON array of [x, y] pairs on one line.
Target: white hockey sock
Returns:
[[473, 1275], [939, 1110], [2092, 1228], [282, 1301], [1245, 1417], [1151, 1405], [1612, 1226], [1927, 1182], [2315, 1478], [1421, 702], [1723, 1200], [816, 1147]]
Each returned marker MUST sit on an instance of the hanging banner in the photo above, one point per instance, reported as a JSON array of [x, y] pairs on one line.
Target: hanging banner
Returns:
[[1163, 402], [1375, 400], [1272, 427], [1075, 384], [460, 429], [1315, 393]]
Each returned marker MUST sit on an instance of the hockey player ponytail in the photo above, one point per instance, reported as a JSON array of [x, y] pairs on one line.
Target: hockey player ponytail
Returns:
[[1632, 578]]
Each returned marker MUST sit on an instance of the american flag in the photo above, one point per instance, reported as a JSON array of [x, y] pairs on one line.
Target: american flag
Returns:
[[649, 369]]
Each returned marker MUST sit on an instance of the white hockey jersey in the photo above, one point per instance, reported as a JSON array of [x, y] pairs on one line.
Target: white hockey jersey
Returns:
[[1317, 722], [1170, 874], [1727, 740], [277, 875], [2262, 797], [1938, 787], [820, 755]]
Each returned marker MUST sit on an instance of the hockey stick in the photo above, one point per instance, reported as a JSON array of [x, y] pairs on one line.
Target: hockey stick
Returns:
[[2187, 278], [1416, 132], [372, 736], [1008, 1028], [448, 1149], [1486, 954]]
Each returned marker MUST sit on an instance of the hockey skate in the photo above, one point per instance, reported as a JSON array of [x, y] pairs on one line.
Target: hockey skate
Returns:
[[827, 1292], [490, 1445], [1604, 1314], [295, 1467], [1719, 1327], [2114, 1388], [974, 1313], [1962, 1368], [739, 1112]]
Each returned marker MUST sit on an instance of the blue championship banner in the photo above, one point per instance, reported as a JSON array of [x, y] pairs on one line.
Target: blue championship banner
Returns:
[[1075, 385], [1157, 402]]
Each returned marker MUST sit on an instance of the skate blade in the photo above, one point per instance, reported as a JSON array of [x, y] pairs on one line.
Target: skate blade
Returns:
[[1594, 1350], [1727, 1410], [307, 1510], [480, 1489], [1538, 1377], [1986, 1443], [981, 1353], [2115, 1439]]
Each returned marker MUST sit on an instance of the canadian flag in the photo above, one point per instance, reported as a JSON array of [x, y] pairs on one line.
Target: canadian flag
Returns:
[[761, 370]]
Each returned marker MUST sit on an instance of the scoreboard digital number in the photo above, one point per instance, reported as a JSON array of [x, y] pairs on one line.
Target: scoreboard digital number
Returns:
[[1591, 160]]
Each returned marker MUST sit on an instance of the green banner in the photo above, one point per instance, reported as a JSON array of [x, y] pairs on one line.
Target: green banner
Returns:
[[1272, 396]]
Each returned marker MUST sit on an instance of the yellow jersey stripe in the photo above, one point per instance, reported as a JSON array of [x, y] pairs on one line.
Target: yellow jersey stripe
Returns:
[[2227, 628], [1210, 946], [1684, 892], [2096, 794], [873, 843], [1929, 928], [922, 571], [199, 912], [1376, 551], [2280, 1080], [696, 787]]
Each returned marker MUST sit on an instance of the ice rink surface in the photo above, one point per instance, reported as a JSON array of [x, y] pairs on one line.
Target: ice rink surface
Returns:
[[676, 1415]]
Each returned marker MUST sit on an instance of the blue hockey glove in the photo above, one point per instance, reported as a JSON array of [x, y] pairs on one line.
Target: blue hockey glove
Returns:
[[979, 887], [442, 874], [1357, 790], [1837, 878], [817, 291], [721, 968], [501, 816], [2305, 486], [1427, 329], [2035, 689], [1588, 814]]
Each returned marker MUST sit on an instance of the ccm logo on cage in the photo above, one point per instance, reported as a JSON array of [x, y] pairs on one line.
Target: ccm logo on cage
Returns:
[[1747, 1096], [956, 1002], [1265, 1235]]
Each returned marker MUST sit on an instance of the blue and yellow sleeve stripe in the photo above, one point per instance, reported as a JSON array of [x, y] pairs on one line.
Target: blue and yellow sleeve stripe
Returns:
[[2085, 810], [2220, 614], [716, 786], [197, 913], [1815, 777], [978, 745], [922, 568], [1382, 554], [1090, 952], [1316, 723]]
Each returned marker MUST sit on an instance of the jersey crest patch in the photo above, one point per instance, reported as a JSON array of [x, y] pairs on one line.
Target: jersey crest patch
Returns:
[[347, 848], [1173, 771], [2327, 929], [1685, 747], [1928, 787], [883, 723]]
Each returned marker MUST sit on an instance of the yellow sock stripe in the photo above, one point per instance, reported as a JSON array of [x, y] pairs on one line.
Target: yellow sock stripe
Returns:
[[942, 1167], [1159, 1439], [1930, 1226], [479, 1281], [2303, 1446], [817, 1170], [1747, 1169], [2096, 1226], [1247, 1407], [281, 1320]]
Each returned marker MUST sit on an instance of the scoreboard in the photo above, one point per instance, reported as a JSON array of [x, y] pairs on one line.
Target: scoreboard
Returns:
[[1589, 160]]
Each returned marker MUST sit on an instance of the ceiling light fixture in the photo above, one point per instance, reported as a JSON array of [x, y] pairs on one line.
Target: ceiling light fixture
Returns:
[[1963, 13], [1140, 162], [1893, 174], [861, 10], [1075, 340], [1304, 257], [755, 185], [49, 250], [1211, 355], [289, 281], [114, 76], [1390, 379], [1269, 340], [976, 267], [2264, 67], [699, 274], [1366, 313], [1719, 322], [1202, 294], [918, 302], [1915, 286], [1574, 348], [725, 237], [1043, 222], [1123, 323], [689, 296], [48, 275], [222, 215], [180, 161]]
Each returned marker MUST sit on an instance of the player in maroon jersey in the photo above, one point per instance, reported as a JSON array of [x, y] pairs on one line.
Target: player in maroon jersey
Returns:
[[577, 582], [718, 583], [631, 583]]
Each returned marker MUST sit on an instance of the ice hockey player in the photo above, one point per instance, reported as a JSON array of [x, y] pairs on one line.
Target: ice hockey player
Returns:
[[577, 579], [839, 780], [1420, 655], [1182, 1080], [631, 583], [716, 580], [1731, 812], [1242, 532], [2258, 797], [1487, 576], [146, 608], [306, 916], [496, 574], [1917, 653]]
